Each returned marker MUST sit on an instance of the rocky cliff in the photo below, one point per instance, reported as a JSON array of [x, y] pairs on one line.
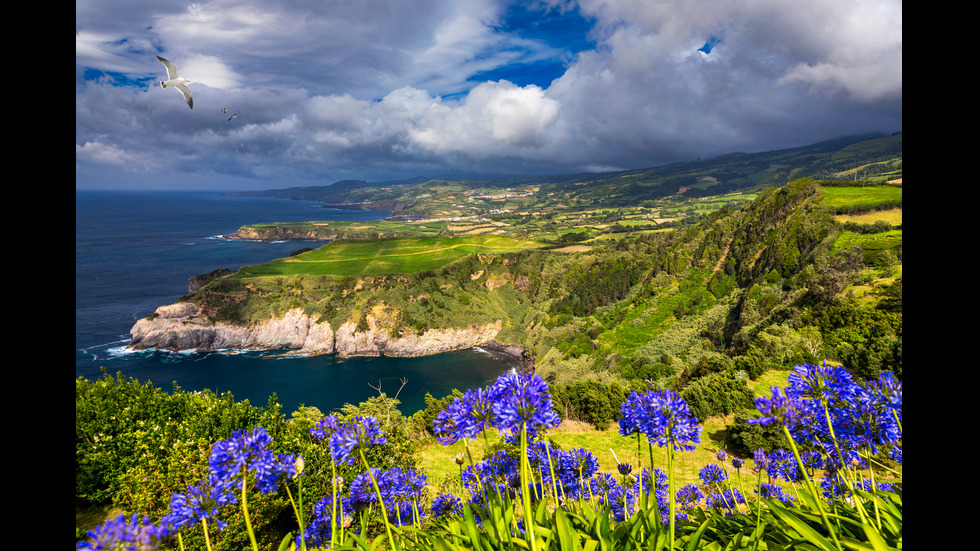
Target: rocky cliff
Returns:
[[182, 326]]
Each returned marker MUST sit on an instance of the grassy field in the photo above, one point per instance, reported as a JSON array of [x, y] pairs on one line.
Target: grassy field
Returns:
[[868, 195], [385, 256], [872, 242]]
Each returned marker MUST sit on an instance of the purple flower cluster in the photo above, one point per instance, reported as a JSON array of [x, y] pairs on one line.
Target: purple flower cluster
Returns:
[[202, 501], [446, 505], [129, 533], [513, 401], [712, 474], [248, 452], [320, 528], [401, 491], [663, 417], [346, 439]]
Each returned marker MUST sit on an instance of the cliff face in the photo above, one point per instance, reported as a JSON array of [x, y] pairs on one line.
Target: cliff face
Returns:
[[181, 326]]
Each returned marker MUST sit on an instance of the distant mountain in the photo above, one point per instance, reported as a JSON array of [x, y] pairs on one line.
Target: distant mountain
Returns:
[[865, 156]]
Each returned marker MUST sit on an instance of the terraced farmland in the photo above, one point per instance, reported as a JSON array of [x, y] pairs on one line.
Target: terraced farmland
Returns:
[[385, 256]]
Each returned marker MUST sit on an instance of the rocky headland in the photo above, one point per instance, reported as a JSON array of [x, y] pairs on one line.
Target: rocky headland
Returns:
[[182, 326]]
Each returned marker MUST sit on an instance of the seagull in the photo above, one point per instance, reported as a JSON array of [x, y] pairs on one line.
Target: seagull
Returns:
[[176, 81], [235, 115], [225, 110]]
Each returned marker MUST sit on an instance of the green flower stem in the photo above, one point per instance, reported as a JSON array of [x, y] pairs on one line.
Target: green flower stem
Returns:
[[248, 522], [333, 511], [813, 490], [298, 512], [758, 511], [670, 493], [381, 503], [525, 471]]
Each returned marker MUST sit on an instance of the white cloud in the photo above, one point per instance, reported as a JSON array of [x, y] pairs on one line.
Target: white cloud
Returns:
[[346, 87]]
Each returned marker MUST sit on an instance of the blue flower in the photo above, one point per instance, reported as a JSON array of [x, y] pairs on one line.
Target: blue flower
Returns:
[[201, 502], [689, 496], [465, 417], [247, 452], [325, 426], [361, 432], [773, 491], [318, 533], [520, 400], [663, 416], [781, 409], [712, 474], [131, 534], [725, 501], [446, 505]]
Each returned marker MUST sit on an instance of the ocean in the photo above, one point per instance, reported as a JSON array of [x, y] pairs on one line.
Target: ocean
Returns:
[[135, 250]]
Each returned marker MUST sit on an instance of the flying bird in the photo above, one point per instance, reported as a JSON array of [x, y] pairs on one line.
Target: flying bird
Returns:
[[235, 115], [225, 110], [176, 81]]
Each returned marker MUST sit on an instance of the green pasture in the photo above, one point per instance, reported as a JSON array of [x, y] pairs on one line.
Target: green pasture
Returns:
[[872, 242], [404, 255], [848, 196]]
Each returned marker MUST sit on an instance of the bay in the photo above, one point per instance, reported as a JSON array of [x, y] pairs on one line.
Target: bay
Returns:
[[135, 250]]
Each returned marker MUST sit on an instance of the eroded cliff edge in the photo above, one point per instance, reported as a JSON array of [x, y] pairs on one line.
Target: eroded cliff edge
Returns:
[[182, 326]]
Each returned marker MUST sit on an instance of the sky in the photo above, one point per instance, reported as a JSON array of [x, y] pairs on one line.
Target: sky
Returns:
[[378, 90]]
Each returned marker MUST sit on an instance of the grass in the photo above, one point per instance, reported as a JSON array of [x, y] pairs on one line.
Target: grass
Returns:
[[385, 256], [847, 196]]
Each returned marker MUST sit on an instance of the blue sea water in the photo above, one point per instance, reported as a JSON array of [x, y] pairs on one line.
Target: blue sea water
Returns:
[[135, 250]]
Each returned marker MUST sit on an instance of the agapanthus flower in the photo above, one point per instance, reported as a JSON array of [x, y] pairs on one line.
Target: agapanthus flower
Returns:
[[398, 487], [663, 416], [774, 491], [202, 501], [782, 464], [322, 522], [875, 419], [760, 460], [689, 496], [325, 426], [712, 474], [446, 505], [725, 501], [737, 463], [247, 451], [624, 468], [575, 466], [466, 417], [361, 432], [522, 400], [622, 501], [781, 409], [125, 533], [721, 455]]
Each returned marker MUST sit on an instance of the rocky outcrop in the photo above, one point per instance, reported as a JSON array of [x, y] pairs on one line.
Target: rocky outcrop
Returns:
[[182, 326], [198, 281]]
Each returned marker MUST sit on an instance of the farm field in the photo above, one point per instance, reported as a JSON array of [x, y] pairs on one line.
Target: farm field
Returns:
[[840, 196], [385, 256]]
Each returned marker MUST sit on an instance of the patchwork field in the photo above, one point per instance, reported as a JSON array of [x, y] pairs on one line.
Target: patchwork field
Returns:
[[386, 256]]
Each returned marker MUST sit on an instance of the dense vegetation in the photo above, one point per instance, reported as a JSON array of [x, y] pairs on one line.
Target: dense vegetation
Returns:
[[698, 294]]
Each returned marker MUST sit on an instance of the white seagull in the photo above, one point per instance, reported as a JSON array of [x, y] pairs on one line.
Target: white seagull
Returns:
[[235, 115], [176, 81]]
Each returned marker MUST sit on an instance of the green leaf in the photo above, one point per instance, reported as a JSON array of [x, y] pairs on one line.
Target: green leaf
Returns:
[[800, 526], [288, 544]]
